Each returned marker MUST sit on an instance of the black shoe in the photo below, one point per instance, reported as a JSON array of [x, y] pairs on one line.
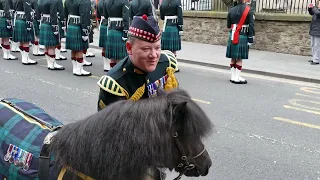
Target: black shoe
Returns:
[[314, 63]]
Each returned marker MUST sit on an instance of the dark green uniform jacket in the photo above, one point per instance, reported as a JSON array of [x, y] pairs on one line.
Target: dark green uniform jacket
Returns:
[[124, 81], [172, 8], [80, 8], [234, 16], [61, 16], [25, 6], [5, 6], [139, 8], [117, 9]]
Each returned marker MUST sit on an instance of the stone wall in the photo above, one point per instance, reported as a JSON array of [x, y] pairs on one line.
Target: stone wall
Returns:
[[283, 33]]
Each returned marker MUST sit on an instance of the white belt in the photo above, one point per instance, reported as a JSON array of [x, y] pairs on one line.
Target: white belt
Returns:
[[46, 15], [234, 27], [77, 18], [20, 12], [15, 16], [166, 19], [114, 19]]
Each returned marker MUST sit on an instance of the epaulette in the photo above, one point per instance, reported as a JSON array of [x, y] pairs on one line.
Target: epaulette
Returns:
[[171, 58], [108, 84]]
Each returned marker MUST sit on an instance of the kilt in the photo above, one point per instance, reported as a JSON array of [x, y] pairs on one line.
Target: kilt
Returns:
[[115, 46], [47, 38], [61, 31], [36, 27], [4, 31], [24, 133], [74, 40], [170, 39], [20, 32], [240, 50], [103, 35]]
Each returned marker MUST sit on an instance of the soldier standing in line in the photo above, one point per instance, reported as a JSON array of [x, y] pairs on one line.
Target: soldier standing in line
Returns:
[[240, 21], [116, 11], [62, 28], [23, 29], [86, 52], [14, 45], [49, 31], [78, 30], [6, 29], [36, 28], [171, 14], [103, 27]]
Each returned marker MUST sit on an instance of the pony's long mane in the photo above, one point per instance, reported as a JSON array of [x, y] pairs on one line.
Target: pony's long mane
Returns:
[[121, 141]]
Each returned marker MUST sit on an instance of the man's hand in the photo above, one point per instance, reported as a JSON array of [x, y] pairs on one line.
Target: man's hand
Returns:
[[180, 33], [29, 25], [85, 38], [9, 25]]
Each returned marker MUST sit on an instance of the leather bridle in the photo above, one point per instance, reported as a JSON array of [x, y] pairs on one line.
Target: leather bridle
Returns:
[[185, 162]]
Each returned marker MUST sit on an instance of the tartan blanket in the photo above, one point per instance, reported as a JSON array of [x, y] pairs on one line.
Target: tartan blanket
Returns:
[[21, 138]]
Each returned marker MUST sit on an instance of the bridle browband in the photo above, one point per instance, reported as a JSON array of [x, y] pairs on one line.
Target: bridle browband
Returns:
[[185, 164]]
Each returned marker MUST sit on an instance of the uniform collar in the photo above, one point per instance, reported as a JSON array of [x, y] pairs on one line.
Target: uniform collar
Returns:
[[131, 68]]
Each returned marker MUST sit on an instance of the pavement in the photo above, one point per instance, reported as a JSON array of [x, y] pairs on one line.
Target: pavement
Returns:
[[272, 64], [266, 129]]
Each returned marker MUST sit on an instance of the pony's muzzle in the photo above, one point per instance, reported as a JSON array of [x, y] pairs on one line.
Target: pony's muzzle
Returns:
[[203, 164]]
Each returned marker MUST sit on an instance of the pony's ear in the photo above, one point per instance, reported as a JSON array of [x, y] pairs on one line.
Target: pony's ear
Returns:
[[179, 110]]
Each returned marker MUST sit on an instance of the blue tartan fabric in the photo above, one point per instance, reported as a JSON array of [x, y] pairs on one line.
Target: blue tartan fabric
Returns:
[[240, 50], [20, 32], [170, 39], [25, 133], [115, 46], [103, 35], [74, 39], [47, 38], [4, 31]]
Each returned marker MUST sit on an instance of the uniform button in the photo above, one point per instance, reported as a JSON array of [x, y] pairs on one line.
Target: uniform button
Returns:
[[148, 80], [124, 69]]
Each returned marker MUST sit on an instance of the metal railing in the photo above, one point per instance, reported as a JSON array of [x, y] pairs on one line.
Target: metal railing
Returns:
[[266, 6]]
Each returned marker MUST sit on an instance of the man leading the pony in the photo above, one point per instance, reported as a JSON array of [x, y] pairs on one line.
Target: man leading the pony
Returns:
[[144, 70]]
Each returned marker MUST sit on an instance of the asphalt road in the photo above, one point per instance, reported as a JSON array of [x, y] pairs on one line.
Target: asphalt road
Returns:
[[267, 129]]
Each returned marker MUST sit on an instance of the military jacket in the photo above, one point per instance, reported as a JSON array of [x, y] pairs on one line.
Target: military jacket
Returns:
[[234, 16], [99, 11], [117, 9], [139, 8], [80, 8], [172, 8], [35, 13], [61, 16], [50, 7], [5, 6], [25, 6], [125, 81]]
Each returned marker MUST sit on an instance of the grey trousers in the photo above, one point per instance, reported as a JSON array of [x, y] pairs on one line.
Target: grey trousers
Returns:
[[315, 48]]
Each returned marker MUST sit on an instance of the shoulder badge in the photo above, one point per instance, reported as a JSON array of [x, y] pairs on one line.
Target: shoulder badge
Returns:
[[171, 58], [108, 84]]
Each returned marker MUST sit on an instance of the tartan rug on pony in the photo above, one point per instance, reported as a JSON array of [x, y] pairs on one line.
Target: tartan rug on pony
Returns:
[[23, 128]]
